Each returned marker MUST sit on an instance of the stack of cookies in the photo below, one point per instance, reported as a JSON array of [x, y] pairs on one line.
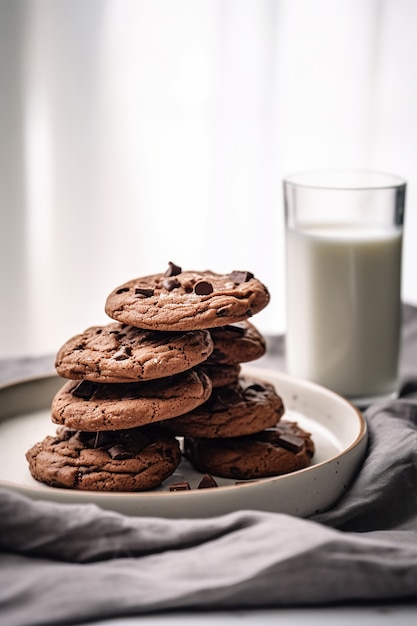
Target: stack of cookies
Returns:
[[166, 370]]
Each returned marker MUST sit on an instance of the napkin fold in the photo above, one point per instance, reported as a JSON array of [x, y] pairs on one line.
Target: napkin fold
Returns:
[[64, 563]]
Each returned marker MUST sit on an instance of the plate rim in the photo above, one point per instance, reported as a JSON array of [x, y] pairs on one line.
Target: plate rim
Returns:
[[43, 489]]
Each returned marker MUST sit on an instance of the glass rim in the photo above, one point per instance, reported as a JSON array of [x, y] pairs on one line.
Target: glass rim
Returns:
[[316, 179]]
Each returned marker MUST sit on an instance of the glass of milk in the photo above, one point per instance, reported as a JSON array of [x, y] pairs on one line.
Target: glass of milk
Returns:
[[344, 233]]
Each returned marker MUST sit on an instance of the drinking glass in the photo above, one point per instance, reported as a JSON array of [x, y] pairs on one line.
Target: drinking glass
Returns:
[[344, 232]]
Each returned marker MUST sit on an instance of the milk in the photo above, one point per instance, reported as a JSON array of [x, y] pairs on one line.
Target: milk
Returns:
[[343, 307]]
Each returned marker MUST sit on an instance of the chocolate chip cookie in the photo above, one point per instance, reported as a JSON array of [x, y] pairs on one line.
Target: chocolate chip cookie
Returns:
[[118, 353], [189, 300], [237, 343], [92, 406], [231, 411], [272, 452], [220, 374], [134, 460]]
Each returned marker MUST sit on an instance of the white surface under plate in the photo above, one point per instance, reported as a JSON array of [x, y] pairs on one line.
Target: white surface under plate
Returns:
[[338, 429]]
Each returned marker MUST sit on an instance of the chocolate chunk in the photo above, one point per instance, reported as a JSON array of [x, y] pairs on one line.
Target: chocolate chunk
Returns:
[[207, 482], [170, 284], [119, 453], [180, 486], [143, 292], [240, 277], [269, 435], [84, 389], [85, 437], [291, 442], [123, 290], [173, 270], [287, 441], [203, 288], [102, 438]]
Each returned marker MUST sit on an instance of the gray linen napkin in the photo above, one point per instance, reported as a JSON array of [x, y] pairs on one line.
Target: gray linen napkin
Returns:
[[61, 564]]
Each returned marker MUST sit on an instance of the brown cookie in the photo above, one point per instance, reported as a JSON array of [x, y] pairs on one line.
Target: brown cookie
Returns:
[[129, 460], [91, 406], [177, 300], [221, 374], [279, 450], [237, 343], [119, 353], [240, 409]]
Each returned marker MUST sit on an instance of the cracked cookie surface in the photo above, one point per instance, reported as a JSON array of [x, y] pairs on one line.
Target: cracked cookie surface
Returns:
[[279, 450], [91, 406], [189, 300], [134, 460], [118, 353], [231, 411]]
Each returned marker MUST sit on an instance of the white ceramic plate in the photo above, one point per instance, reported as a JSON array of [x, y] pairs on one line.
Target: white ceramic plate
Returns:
[[338, 428]]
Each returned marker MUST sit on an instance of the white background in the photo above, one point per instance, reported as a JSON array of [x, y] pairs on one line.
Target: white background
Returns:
[[134, 132]]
